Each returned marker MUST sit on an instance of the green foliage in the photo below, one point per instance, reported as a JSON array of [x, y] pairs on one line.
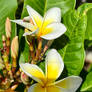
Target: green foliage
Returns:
[[73, 52], [87, 8], [88, 34], [87, 85], [7, 9]]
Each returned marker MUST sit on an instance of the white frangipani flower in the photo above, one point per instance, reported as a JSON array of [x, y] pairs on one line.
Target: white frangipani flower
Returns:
[[53, 68], [47, 27]]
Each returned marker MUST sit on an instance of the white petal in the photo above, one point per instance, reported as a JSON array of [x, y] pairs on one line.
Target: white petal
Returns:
[[27, 18], [36, 88], [24, 24], [56, 89], [31, 33], [53, 14], [57, 29], [71, 83], [33, 71], [54, 65], [35, 16]]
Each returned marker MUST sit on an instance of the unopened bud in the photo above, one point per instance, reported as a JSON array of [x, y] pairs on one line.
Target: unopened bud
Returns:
[[5, 58], [8, 28], [3, 38], [24, 78], [13, 88], [2, 66], [14, 47], [4, 41]]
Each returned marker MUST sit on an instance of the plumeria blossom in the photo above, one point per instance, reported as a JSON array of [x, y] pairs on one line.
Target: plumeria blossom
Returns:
[[47, 27], [46, 82]]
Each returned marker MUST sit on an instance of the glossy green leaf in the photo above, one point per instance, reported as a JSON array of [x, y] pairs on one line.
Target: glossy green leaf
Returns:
[[73, 52], [88, 34], [7, 9], [87, 85], [42, 6], [87, 8]]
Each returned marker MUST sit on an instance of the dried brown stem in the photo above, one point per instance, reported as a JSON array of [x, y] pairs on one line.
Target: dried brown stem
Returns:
[[46, 48]]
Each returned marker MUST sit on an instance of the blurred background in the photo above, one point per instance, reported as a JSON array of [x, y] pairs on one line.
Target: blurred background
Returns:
[[79, 2]]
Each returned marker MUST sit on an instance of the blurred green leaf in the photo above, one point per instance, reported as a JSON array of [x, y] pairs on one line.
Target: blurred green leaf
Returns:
[[87, 85], [42, 6], [7, 9], [22, 59], [73, 53]]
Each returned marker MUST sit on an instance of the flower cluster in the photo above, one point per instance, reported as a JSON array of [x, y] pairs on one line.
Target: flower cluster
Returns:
[[8, 69], [46, 82], [38, 29], [48, 27]]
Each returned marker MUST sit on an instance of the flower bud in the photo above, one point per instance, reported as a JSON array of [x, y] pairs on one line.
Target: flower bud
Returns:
[[13, 88], [4, 41], [8, 28], [2, 66], [3, 38], [24, 78], [14, 47]]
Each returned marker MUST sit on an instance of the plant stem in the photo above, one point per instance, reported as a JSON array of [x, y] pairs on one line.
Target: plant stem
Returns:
[[8, 46], [38, 51], [14, 65]]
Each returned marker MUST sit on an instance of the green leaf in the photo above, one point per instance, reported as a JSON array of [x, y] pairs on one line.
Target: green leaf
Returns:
[[21, 59], [42, 6], [7, 9], [87, 85], [88, 34], [87, 8], [73, 52], [42, 66]]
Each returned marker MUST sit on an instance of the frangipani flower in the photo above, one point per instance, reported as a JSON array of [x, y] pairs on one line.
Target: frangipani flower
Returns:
[[46, 82], [47, 27]]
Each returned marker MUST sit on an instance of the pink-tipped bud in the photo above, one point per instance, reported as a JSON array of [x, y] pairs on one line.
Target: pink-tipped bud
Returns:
[[8, 28], [24, 78], [14, 47]]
